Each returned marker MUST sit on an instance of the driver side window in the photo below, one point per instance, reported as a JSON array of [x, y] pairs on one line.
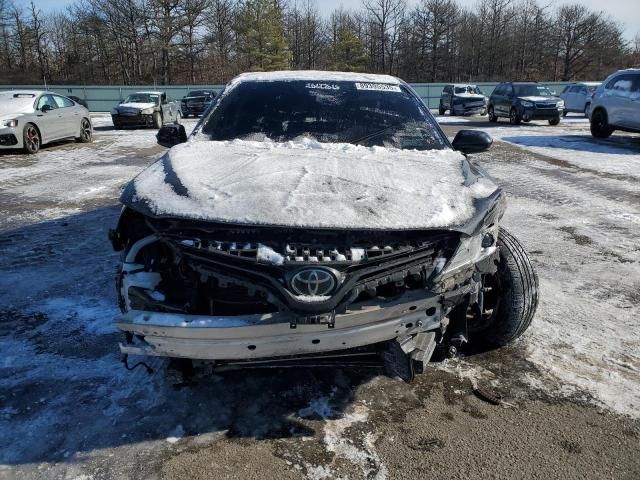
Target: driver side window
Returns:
[[46, 100]]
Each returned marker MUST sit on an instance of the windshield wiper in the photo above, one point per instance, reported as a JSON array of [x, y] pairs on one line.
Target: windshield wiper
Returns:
[[374, 134]]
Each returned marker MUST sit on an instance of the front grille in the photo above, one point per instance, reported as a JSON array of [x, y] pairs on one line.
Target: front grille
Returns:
[[546, 105], [292, 253]]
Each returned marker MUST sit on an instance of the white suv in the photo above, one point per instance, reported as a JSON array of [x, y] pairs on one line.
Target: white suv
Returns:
[[616, 104]]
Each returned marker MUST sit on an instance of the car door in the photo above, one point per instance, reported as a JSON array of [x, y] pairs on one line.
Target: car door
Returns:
[[47, 118], [632, 110], [619, 99], [167, 108], [581, 98], [570, 98], [494, 98], [68, 116]]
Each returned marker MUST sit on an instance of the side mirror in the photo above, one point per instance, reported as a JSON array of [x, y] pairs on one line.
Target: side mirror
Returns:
[[472, 141], [171, 134], [46, 108]]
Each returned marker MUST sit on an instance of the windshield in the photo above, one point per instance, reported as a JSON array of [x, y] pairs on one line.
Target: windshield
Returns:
[[142, 98], [468, 89], [532, 91], [199, 93], [333, 111]]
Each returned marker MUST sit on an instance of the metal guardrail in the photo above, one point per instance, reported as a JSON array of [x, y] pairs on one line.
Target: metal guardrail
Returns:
[[102, 98]]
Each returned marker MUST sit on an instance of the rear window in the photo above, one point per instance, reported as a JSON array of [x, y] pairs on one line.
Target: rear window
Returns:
[[328, 111]]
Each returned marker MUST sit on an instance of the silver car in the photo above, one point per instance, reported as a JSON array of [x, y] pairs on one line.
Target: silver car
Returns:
[[577, 97], [32, 118], [616, 104]]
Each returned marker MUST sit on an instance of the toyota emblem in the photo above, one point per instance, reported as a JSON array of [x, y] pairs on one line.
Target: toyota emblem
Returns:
[[313, 282]]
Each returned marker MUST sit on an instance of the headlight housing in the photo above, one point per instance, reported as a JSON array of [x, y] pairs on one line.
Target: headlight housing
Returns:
[[146, 111], [13, 123], [560, 104], [524, 103]]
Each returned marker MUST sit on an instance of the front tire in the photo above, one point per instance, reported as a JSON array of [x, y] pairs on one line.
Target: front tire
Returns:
[[512, 294], [600, 127], [514, 118], [31, 139], [492, 115], [157, 120], [554, 121]]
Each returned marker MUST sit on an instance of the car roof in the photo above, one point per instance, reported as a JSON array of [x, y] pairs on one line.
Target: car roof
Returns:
[[464, 84], [315, 75], [585, 83], [154, 93], [25, 92]]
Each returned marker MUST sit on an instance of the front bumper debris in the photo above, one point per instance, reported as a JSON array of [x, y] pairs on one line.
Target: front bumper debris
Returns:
[[271, 335]]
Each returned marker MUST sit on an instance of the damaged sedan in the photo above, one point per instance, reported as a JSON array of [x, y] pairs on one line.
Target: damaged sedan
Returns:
[[318, 217]]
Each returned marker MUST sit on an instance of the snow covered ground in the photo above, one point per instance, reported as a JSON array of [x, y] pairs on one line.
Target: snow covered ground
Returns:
[[68, 407]]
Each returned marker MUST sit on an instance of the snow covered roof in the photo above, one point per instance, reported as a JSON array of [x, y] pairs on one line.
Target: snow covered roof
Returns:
[[313, 75], [309, 184], [23, 92], [149, 93]]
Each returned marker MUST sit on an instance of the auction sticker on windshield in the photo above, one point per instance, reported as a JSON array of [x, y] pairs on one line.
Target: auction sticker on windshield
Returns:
[[384, 87]]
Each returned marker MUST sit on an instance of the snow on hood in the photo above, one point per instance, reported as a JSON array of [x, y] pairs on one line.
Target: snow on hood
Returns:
[[469, 95], [11, 106], [309, 184], [140, 106], [539, 99]]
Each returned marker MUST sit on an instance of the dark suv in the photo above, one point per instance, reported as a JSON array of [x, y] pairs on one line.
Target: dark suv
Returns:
[[524, 101], [196, 102]]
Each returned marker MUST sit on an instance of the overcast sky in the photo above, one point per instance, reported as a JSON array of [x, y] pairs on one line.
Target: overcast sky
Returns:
[[627, 12]]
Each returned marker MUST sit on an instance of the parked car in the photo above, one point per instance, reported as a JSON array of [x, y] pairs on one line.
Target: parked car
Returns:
[[196, 102], [524, 101], [577, 97], [32, 118], [616, 104], [79, 101], [148, 109], [320, 214], [462, 99]]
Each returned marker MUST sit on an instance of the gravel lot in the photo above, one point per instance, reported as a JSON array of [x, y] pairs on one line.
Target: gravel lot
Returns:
[[571, 385]]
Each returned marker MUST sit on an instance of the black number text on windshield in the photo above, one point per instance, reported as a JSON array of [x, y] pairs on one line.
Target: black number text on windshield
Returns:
[[351, 112]]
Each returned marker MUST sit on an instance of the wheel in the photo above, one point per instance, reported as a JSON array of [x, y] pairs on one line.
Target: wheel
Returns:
[[492, 115], [587, 107], [441, 109], [554, 121], [600, 127], [178, 118], [514, 118], [510, 298], [31, 138], [157, 120], [86, 133]]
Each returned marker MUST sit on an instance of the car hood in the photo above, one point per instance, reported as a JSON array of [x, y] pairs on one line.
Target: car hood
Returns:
[[311, 184], [140, 106], [539, 99], [10, 114]]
